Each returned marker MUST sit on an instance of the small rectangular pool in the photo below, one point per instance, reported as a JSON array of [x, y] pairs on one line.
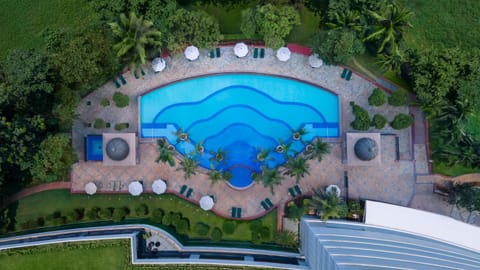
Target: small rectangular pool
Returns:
[[94, 147]]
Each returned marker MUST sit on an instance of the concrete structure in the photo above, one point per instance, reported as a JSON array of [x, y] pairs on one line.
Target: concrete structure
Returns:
[[363, 149], [119, 149]]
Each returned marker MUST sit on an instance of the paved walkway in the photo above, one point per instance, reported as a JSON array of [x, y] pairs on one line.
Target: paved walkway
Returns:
[[392, 182], [36, 189]]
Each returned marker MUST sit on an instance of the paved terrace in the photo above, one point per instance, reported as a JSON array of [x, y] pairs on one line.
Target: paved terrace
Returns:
[[392, 182]]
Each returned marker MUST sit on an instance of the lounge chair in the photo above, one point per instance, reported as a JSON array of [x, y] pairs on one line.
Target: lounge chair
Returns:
[[211, 54], [189, 192], [344, 72], [234, 212], [122, 79], [217, 50], [269, 203], [292, 192], [349, 75], [255, 53], [298, 190], [239, 212], [262, 52], [142, 71], [117, 84], [182, 189], [264, 205]]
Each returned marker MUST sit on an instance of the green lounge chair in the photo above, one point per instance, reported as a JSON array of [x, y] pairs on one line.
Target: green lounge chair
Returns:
[[142, 71], [262, 52], [344, 72], [212, 54], [122, 79], [189, 192], [234, 212], [255, 53], [217, 50], [292, 192], [135, 75], [349, 75], [182, 189], [298, 190], [269, 203], [239, 212], [117, 84], [264, 205]]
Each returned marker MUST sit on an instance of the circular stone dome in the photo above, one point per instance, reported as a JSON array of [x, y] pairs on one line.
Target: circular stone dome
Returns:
[[366, 149], [117, 149]]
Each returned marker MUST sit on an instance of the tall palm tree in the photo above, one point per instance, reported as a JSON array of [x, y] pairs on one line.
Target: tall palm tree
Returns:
[[391, 60], [219, 156], [134, 35], [166, 152], [262, 155], [347, 19], [297, 167], [317, 150], [388, 26], [217, 175], [326, 203], [269, 177], [188, 166]]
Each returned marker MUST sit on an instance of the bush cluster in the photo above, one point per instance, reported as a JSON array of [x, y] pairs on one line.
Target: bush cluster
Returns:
[[401, 121], [379, 121], [121, 100], [362, 119], [99, 123], [202, 229], [216, 234], [121, 126], [377, 98], [105, 102], [228, 226], [398, 98]]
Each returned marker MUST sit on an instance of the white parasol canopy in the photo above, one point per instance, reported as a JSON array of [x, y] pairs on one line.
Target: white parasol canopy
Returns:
[[135, 188], [206, 203], [240, 49], [159, 186], [90, 188], [192, 53], [314, 61], [158, 64], [283, 54], [331, 187]]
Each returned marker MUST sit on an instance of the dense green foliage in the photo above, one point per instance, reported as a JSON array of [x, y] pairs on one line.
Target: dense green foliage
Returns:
[[398, 98], [121, 100], [337, 46], [328, 204], [362, 119], [377, 98], [466, 196], [401, 121], [297, 167], [269, 177], [379, 121]]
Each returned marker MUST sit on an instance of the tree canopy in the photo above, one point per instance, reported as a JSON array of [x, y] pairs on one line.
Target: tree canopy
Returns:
[[336, 46]]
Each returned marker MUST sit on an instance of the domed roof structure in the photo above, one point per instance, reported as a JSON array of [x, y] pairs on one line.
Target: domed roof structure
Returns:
[[366, 149], [117, 149]]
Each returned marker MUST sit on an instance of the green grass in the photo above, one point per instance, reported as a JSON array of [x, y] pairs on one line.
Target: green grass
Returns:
[[455, 170], [310, 24], [23, 21], [229, 18], [47, 202], [443, 23]]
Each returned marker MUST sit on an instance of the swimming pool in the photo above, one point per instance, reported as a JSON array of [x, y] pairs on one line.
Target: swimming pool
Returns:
[[240, 115]]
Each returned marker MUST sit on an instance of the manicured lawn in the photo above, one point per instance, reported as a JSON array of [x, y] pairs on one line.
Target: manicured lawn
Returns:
[[45, 203], [443, 23], [455, 170], [23, 21], [229, 18]]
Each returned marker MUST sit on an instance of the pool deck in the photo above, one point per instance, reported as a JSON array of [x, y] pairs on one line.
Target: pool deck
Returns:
[[393, 182]]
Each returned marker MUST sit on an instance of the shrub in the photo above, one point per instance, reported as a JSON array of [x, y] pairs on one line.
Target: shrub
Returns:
[[120, 213], [286, 239], [377, 98], [342, 210], [202, 229], [121, 126], [76, 214], [183, 226], [99, 123], [294, 212], [40, 222], [216, 234], [29, 224], [265, 234], [379, 121], [105, 213], [355, 210], [255, 225], [141, 210], [176, 217], [59, 221], [92, 213], [157, 215], [401, 121], [228, 226], [167, 219], [362, 119], [105, 102], [398, 98], [121, 100]]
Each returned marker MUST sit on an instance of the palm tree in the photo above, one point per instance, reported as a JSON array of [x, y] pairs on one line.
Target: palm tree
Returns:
[[284, 148], [220, 156], [347, 19], [297, 167], [317, 150], [269, 177], [199, 148], [188, 166], [326, 203], [166, 152], [134, 35], [217, 175], [297, 134], [262, 155], [181, 135], [392, 60], [388, 26]]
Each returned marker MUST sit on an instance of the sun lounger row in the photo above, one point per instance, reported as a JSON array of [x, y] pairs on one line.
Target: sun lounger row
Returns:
[[215, 53], [295, 191], [256, 50], [266, 204], [346, 74], [121, 79], [236, 212], [188, 192]]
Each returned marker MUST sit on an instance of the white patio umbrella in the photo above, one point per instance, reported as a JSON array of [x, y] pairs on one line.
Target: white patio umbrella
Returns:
[[240, 49], [314, 61], [191, 53], [135, 188], [159, 186], [158, 64], [90, 188], [331, 187], [283, 54], [206, 203]]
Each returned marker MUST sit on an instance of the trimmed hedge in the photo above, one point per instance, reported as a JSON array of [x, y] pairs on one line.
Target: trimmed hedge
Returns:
[[99, 123], [362, 119], [379, 121], [121, 100], [157, 215], [398, 98], [216, 234], [141, 210], [228, 226], [202, 229], [105, 102], [377, 98], [401, 121], [121, 126]]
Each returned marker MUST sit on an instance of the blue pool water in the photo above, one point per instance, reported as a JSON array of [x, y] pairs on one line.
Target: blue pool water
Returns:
[[94, 145], [241, 114]]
